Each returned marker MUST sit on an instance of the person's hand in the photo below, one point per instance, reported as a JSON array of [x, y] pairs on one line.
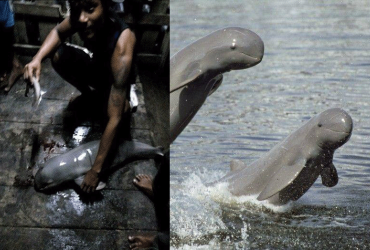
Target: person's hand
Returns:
[[32, 69], [90, 182]]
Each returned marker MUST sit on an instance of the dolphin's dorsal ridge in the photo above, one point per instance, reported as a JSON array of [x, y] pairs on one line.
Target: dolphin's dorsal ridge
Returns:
[[283, 177], [236, 165]]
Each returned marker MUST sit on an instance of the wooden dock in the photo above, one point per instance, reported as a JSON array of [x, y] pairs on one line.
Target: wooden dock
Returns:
[[69, 219]]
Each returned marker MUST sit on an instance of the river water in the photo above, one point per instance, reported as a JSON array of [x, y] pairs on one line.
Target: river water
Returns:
[[317, 56]]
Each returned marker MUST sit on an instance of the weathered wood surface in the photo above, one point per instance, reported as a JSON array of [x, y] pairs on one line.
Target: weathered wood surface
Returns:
[[54, 11], [81, 239], [39, 9], [66, 219]]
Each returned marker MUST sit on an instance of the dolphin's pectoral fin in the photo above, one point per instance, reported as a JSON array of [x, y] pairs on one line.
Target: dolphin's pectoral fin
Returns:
[[182, 84], [281, 179], [216, 82], [329, 176], [101, 185], [80, 179], [191, 73], [236, 165]]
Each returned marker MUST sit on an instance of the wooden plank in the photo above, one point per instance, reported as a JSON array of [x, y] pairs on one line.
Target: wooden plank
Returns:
[[160, 7], [149, 58], [65, 238], [40, 10], [54, 11], [164, 50], [20, 31], [26, 49], [108, 209], [148, 19], [31, 50]]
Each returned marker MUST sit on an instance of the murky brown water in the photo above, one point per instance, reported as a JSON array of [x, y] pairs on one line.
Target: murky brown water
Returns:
[[317, 56]]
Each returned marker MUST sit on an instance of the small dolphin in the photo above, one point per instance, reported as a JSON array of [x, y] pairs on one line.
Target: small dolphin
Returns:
[[290, 168], [74, 164], [196, 71], [37, 95]]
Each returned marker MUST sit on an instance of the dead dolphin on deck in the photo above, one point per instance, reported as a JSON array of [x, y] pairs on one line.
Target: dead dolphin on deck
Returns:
[[73, 165], [290, 168], [196, 71]]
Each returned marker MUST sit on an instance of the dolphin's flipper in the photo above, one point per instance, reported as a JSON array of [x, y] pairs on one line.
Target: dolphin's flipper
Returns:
[[101, 185], [329, 176], [80, 179], [236, 165], [217, 83], [281, 179], [193, 72], [184, 83]]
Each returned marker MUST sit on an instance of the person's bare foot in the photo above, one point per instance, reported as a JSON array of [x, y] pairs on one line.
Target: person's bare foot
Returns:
[[16, 72], [145, 183], [141, 241]]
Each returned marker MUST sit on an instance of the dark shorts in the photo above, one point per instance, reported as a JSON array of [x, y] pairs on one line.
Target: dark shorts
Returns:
[[79, 69]]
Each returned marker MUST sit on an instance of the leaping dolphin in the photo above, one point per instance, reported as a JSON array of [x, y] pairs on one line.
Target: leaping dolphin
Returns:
[[73, 165], [290, 168], [196, 71]]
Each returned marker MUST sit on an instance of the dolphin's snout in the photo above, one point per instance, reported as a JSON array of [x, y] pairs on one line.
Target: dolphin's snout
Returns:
[[257, 49], [338, 120], [38, 183], [254, 46]]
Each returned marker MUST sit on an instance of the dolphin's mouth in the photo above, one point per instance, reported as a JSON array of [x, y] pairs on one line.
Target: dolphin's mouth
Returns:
[[336, 131], [255, 59]]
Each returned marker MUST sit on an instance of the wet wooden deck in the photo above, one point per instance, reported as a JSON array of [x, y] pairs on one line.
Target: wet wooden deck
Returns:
[[65, 219]]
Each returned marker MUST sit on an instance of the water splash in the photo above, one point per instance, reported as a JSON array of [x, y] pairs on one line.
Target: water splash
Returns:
[[207, 213]]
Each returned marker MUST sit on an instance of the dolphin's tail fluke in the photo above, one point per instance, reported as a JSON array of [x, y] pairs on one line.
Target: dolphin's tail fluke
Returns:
[[135, 150]]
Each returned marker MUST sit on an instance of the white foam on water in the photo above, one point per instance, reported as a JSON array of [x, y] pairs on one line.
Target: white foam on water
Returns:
[[221, 194], [193, 214], [214, 244], [197, 213]]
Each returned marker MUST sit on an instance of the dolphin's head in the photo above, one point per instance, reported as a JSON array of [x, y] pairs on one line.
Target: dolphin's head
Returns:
[[44, 181], [41, 183], [333, 128], [196, 71], [233, 49]]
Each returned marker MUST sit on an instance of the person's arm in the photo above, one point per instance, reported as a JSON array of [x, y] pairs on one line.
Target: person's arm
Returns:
[[117, 104], [52, 41]]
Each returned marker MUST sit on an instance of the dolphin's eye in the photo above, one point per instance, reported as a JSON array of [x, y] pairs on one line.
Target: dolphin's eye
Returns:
[[233, 45], [319, 125]]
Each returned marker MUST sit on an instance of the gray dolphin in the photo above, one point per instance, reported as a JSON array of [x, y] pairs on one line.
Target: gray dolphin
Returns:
[[196, 71], [74, 164], [290, 168]]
